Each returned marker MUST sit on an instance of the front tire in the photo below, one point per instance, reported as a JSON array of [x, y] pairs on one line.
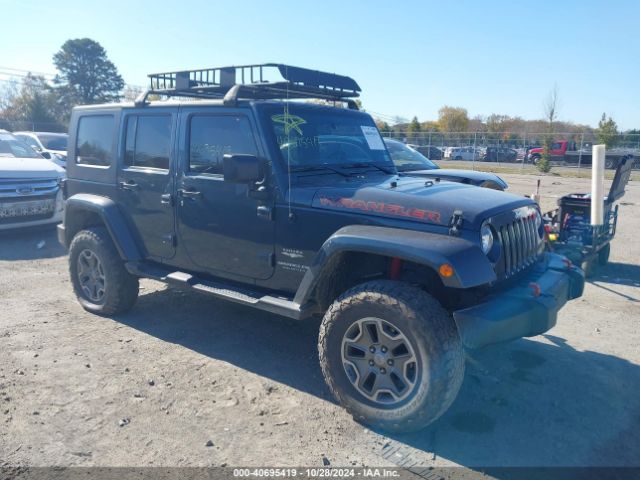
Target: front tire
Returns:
[[391, 355], [100, 281]]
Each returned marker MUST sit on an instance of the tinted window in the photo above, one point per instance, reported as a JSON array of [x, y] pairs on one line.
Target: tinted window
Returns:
[[53, 142], [213, 136], [148, 141], [95, 138]]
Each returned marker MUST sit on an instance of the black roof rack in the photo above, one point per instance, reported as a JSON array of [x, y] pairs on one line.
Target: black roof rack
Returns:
[[253, 82]]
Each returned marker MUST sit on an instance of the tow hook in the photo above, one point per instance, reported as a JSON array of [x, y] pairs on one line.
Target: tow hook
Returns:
[[455, 223]]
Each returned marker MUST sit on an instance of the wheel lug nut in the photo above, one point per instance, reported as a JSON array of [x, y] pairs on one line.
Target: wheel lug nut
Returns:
[[383, 371], [389, 362], [372, 349], [371, 362], [384, 349]]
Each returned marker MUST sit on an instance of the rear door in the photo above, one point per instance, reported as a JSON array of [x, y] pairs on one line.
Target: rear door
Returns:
[[145, 178]]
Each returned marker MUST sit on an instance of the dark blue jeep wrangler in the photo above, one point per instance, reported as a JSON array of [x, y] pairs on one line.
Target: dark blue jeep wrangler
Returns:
[[293, 207]]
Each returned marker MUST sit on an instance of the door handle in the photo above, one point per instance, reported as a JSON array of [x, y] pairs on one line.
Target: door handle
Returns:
[[128, 185], [187, 193]]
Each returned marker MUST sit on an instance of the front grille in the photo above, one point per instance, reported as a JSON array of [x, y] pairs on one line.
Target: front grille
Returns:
[[21, 188], [520, 240]]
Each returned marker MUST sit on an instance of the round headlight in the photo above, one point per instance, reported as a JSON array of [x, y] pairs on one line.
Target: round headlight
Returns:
[[486, 236]]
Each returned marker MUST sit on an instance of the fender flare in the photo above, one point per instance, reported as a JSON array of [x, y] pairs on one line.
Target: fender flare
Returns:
[[110, 216], [471, 267]]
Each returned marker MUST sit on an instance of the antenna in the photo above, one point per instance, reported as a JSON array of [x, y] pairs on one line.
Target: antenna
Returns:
[[286, 122]]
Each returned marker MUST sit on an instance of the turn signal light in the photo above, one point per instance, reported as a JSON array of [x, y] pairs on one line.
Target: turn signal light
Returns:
[[446, 270]]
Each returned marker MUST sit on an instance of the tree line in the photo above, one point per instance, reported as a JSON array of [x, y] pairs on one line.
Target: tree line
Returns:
[[85, 75], [505, 128]]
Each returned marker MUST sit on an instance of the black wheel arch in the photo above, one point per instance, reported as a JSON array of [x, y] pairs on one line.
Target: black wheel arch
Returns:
[[423, 252], [86, 210]]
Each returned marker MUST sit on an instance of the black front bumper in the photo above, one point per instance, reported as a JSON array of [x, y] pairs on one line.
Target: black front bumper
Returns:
[[517, 312]]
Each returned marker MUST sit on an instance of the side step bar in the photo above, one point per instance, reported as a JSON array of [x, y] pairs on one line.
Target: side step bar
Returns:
[[227, 291]]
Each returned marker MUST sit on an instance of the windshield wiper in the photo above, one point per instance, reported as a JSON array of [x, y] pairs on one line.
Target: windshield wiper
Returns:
[[311, 168], [369, 164]]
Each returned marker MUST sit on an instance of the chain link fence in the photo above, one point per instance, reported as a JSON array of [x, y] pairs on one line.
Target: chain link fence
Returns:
[[569, 149]]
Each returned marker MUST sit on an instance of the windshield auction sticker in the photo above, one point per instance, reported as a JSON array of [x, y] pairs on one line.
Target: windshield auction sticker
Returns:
[[374, 140]]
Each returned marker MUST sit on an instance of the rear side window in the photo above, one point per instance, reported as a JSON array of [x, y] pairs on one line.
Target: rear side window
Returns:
[[94, 140], [213, 136], [148, 142]]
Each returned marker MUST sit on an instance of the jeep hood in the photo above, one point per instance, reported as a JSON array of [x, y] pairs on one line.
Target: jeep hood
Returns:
[[410, 198], [24, 168], [465, 176]]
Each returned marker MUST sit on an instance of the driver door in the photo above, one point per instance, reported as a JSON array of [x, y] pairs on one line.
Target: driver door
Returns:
[[220, 226]]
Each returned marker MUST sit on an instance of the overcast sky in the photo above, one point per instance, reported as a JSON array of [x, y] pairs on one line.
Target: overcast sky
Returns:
[[410, 58]]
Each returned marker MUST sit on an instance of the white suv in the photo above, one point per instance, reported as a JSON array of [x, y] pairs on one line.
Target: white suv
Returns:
[[30, 186], [52, 146]]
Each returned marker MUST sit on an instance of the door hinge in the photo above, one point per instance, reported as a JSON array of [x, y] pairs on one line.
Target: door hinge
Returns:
[[166, 199], [265, 212]]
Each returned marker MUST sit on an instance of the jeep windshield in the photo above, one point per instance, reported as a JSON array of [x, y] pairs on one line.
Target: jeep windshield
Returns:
[[319, 139]]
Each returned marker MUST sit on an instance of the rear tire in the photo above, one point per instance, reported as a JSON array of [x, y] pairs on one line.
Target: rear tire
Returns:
[[100, 281], [413, 369]]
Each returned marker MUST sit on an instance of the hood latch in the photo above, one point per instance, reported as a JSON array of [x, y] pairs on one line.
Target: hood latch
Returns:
[[455, 223]]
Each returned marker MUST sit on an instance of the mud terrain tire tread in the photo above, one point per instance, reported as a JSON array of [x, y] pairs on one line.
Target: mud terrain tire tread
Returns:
[[430, 323], [122, 287]]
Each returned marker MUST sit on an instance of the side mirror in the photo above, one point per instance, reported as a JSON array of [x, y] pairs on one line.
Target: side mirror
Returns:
[[241, 168], [46, 155]]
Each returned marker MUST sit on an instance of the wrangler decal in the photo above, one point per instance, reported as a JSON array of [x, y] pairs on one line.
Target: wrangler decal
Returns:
[[381, 207]]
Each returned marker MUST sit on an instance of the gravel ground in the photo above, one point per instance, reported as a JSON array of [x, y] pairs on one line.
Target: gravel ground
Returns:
[[186, 380]]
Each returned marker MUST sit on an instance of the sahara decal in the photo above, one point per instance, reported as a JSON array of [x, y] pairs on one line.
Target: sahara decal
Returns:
[[381, 207]]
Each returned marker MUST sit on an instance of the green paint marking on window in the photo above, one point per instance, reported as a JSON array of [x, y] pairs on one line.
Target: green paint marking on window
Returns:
[[290, 122]]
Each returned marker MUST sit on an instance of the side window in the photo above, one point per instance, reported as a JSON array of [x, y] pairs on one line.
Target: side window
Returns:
[[211, 137], [148, 142], [94, 140]]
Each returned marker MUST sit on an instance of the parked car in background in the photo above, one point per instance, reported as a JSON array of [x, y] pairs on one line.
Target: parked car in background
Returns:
[[30, 186], [465, 153], [411, 162], [52, 146], [567, 152], [499, 154], [429, 151]]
